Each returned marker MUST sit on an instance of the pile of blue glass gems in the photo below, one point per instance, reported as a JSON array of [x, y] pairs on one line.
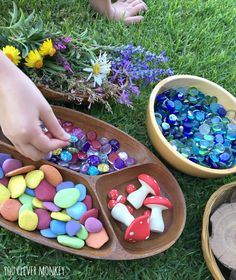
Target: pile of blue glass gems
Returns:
[[90, 154], [197, 126]]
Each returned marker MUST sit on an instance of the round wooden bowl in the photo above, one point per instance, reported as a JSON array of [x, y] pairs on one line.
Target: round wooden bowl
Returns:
[[219, 197], [158, 139]]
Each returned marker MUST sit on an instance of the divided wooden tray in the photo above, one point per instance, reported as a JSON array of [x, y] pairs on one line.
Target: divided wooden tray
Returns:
[[98, 187]]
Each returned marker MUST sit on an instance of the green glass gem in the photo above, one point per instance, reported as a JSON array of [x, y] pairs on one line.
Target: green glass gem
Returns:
[[203, 152], [192, 91], [204, 144], [209, 137]]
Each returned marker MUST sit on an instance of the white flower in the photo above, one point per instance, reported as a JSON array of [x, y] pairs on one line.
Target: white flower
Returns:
[[99, 70]]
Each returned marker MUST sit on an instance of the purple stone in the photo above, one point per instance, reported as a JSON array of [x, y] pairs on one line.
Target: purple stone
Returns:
[[84, 168], [63, 163], [111, 169], [77, 131], [54, 159], [93, 160], [11, 164], [93, 225], [119, 164], [51, 206], [86, 147], [72, 227], [3, 157], [114, 144], [105, 149], [74, 167], [130, 161], [65, 185], [103, 140]]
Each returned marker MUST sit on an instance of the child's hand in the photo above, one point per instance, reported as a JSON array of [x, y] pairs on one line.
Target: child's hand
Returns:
[[22, 106]]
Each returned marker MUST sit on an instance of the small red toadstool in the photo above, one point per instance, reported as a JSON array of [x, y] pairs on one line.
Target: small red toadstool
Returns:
[[149, 185]]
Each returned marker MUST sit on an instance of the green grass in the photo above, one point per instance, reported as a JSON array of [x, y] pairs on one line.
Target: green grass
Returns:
[[199, 37]]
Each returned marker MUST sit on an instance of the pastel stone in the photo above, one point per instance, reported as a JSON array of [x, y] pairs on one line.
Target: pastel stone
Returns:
[[4, 181], [82, 190], [51, 206], [44, 218], [45, 191], [4, 193], [60, 216], [65, 185], [30, 192], [90, 213], [52, 175], [69, 241], [97, 239], [66, 197], [58, 227], [93, 225], [11, 164], [10, 209], [1, 173], [17, 186], [4, 157], [37, 203], [33, 178], [82, 234], [88, 201], [26, 199], [72, 227], [25, 207], [21, 170], [77, 210], [28, 220], [47, 233]]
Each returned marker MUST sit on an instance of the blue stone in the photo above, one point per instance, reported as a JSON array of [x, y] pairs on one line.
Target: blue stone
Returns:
[[83, 191]]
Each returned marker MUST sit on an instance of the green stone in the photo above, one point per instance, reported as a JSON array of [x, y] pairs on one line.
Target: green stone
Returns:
[[67, 197], [82, 234], [73, 242], [26, 199]]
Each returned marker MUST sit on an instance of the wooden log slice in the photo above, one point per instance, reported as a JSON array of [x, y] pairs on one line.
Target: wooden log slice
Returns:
[[233, 197], [223, 239]]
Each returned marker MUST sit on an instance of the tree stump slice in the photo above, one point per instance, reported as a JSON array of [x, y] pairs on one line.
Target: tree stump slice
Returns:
[[223, 239], [232, 275], [233, 197]]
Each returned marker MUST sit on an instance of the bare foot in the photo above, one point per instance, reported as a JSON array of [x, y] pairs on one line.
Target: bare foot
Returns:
[[121, 9]]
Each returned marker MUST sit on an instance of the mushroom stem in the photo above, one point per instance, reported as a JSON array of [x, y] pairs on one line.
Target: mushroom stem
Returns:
[[156, 220], [120, 213], [137, 197]]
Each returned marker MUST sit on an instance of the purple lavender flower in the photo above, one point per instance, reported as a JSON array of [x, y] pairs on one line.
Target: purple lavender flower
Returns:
[[67, 40], [61, 43], [131, 65]]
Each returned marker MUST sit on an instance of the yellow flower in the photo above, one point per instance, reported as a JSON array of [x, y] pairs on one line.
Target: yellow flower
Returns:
[[34, 60], [47, 48], [12, 53]]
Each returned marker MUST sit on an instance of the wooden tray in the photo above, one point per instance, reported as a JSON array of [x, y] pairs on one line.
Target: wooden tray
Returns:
[[98, 187]]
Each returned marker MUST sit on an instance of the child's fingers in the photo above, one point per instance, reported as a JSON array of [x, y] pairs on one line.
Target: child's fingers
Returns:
[[30, 151], [50, 121], [44, 144], [131, 20], [138, 8]]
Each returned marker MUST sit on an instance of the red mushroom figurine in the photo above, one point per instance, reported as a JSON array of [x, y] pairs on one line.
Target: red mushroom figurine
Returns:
[[137, 229], [148, 185], [157, 204], [130, 188]]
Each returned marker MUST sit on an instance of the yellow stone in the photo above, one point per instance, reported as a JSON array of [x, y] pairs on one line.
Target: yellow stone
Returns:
[[17, 186], [4, 193], [28, 220], [60, 216], [37, 203], [33, 178], [57, 152]]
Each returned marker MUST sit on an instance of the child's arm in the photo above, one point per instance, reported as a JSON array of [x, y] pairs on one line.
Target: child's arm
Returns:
[[22, 106]]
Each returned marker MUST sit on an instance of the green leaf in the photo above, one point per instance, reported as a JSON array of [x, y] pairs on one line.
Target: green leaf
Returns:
[[14, 14]]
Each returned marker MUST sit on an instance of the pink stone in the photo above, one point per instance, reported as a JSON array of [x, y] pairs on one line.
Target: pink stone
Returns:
[[45, 191], [4, 181], [88, 201], [44, 218], [90, 213]]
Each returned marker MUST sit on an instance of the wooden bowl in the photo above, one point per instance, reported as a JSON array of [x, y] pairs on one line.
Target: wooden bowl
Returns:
[[98, 187], [158, 139], [222, 195]]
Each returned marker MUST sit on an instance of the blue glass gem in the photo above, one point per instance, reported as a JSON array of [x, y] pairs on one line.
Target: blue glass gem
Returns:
[[224, 157], [115, 145], [73, 138], [172, 118], [93, 171], [204, 129], [219, 138], [66, 156], [221, 111], [170, 105], [165, 126]]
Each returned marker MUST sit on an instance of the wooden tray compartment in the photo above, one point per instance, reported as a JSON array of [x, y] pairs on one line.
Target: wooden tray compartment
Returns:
[[98, 186]]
